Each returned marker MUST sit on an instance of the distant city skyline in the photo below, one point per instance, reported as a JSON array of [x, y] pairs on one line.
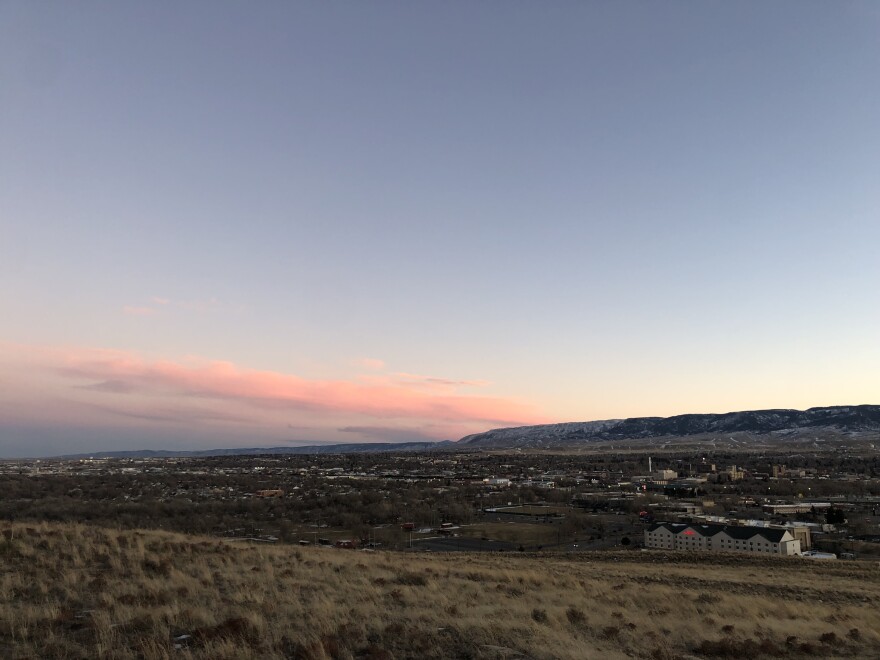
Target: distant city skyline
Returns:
[[297, 223]]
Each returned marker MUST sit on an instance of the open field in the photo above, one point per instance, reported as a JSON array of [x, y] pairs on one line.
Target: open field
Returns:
[[532, 510], [537, 537], [528, 534], [74, 591]]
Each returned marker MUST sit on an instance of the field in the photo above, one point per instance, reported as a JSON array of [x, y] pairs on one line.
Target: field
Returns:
[[75, 591]]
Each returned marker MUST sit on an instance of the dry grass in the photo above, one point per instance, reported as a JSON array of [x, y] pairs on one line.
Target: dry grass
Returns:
[[73, 591]]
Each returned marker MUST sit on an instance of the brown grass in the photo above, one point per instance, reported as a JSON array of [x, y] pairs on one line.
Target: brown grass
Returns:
[[73, 591]]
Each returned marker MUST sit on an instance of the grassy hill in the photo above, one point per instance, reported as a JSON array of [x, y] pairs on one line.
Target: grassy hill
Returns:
[[73, 591]]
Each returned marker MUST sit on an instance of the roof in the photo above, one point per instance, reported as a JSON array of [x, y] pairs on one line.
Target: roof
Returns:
[[772, 534], [677, 528]]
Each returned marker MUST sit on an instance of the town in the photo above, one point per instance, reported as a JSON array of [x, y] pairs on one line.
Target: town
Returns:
[[819, 505]]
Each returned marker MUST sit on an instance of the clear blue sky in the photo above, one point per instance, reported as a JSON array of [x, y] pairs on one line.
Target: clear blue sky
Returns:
[[420, 219]]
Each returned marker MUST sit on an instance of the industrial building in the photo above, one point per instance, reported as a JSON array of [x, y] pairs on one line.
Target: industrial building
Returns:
[[722, 538]]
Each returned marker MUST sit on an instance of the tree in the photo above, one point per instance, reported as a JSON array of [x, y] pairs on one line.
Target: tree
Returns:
[[835, 516]]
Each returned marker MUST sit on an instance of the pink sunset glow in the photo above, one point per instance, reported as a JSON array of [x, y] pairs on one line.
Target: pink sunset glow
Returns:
[[115, 382]]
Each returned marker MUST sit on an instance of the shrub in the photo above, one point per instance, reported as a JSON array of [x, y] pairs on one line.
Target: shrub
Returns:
[[576, 616], [610, 632], [828, 638], [411, 579], [768, 647], [722, 648]]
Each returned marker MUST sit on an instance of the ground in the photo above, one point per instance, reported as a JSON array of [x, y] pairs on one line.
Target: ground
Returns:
[[75, 591]]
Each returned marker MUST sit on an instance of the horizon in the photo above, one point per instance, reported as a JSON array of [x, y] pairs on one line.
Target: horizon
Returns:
[[300, 444], [232, 227]]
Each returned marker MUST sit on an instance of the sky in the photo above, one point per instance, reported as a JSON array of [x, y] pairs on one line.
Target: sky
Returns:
[[229, 224]]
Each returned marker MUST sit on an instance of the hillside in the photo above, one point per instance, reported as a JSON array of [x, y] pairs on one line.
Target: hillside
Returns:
[[789, 425], [72, 591]]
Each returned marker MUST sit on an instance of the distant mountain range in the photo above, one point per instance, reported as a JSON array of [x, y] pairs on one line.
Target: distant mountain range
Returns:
[[832, 421], [840, 419]]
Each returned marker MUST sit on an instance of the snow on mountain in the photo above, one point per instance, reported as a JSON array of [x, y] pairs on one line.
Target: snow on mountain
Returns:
[[759, 422]]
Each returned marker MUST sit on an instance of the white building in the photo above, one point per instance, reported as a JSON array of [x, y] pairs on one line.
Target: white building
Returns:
[[722, 538], [497, 481]]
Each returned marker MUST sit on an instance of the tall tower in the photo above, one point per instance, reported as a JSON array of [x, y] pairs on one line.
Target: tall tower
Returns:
[[649, 465]]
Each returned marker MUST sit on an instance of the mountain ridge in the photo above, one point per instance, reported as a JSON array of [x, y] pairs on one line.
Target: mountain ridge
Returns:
[[860, 418], [780, 421]]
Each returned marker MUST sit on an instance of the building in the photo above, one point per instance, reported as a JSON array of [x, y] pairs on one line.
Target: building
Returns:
[[497, 481], [722, 538], [791, 509], [735, 474], [802, 534]]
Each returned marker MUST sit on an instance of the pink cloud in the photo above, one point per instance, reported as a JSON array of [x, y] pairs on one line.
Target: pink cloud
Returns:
[[377, 397], [432, 382], [389, 433]]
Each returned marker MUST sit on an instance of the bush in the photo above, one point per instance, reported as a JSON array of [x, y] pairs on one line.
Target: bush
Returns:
[[828, 638], [411, 579], [576, 616], [733, 648], [610, 632]]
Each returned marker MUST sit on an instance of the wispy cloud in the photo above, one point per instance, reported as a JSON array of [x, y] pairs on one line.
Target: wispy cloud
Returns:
[[113, 386], [379, 398], [390, 433], [175, 414], [433, 382]]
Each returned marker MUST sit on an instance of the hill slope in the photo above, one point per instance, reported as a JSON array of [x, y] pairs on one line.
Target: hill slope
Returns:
[[75, 591], [841, 419]]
